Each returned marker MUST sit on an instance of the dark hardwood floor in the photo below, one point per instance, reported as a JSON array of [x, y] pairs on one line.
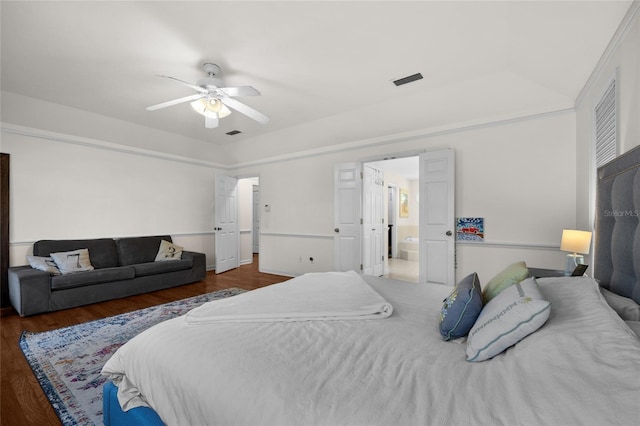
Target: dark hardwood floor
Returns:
[[22, 401]]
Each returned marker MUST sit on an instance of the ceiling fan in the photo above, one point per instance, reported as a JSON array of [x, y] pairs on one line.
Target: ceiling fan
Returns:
[[213, 99]]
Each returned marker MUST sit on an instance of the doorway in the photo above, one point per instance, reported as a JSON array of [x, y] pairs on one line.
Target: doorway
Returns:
[[401, 214], [249, 219], [436, 218]]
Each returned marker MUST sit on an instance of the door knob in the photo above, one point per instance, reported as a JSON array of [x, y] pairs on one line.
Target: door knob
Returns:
[[336, 230], [448, 233]]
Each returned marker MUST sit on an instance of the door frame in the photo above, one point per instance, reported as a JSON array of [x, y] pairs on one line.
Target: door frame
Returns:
[[361, 162], [392, 189], [259, 212]]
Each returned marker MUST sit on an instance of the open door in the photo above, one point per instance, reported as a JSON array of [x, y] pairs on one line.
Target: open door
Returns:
[[347, 214], [437, 217], [227, 241], [373, 227]]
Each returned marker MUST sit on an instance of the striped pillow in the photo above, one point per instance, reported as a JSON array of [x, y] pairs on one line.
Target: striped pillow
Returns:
[[512, 315]]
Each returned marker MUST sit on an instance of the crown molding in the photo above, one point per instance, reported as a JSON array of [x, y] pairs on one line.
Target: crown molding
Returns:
[[109, 146], [406, 137], [621, 32], [333, 149]]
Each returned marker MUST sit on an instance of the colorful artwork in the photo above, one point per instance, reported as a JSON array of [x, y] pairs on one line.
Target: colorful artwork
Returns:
[[470, 229], [404, 202]]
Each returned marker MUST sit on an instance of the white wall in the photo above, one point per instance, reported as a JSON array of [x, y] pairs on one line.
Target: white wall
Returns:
[[62, 189], [622, 59], [52, 119], [518, 175]]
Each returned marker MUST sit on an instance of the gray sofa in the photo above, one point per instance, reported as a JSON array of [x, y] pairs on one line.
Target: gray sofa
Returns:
[[123, 267]]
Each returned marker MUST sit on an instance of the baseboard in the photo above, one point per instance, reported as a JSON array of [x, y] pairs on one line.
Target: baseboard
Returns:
[[276, 272]]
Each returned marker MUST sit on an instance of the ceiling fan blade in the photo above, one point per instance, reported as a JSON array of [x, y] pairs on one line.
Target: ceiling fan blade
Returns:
[[240, 91], [246, 110], [193, 86], [175, 102], [211, 122]]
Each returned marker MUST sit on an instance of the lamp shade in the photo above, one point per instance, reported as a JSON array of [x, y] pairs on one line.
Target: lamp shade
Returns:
[[575, 241], [210, 107]]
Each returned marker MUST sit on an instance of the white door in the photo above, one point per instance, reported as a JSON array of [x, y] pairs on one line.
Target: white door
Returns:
[[373, 226], [437, 217], [347, 215], [227, 242]]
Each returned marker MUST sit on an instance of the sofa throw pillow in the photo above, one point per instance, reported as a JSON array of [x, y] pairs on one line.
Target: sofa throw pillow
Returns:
[[512, 315], [461, 308], [72, 261], [45, 264], [169, 251], [512, 274]]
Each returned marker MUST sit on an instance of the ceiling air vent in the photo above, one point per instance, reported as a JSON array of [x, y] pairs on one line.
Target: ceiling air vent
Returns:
[[233, 132], [407, 79]]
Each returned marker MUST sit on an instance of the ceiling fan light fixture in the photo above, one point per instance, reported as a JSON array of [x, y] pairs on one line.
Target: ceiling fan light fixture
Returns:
[[210, 108]]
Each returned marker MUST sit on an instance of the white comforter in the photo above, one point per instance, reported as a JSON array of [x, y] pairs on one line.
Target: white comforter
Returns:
[[581, 368], [314, 296]]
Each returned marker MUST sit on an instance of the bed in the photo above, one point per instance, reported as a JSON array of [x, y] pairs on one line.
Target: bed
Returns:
[[316, 359]]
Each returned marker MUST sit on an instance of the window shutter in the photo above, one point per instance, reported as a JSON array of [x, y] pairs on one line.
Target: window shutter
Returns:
[[605, 126]]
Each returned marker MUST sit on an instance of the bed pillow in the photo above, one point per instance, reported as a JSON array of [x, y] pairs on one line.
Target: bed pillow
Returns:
[[511, 275], [43, 264], [461, 308], [512, 315], [168, 251], [627, 308], [72, 261]]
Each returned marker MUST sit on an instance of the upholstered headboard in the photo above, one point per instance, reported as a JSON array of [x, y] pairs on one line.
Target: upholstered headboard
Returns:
[[617, 239]]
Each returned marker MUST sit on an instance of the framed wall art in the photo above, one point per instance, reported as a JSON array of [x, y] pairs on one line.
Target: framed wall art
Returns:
[[470, 229], [404, 202]]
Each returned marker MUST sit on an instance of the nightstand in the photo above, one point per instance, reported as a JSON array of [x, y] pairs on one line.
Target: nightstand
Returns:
[[545, 273]]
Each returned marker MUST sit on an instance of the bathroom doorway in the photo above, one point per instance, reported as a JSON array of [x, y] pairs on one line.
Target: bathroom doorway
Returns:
[[401, 214]]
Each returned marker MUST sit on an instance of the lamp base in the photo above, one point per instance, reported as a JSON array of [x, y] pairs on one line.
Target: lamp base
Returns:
[[573, 260]]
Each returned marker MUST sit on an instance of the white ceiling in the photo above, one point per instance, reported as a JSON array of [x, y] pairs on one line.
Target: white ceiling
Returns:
[[324, 68]]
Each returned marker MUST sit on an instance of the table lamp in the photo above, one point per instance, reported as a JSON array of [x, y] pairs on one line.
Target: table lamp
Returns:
[[576, 243]]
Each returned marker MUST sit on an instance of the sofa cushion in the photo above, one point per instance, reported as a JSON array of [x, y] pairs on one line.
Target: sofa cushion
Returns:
[[102, 251], [168, 251], [153, 268], [96, 276], [70, 262], [135, 250], [43, 264]]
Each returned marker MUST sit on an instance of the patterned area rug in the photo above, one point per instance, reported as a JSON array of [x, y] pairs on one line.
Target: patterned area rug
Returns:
[[67, 361]]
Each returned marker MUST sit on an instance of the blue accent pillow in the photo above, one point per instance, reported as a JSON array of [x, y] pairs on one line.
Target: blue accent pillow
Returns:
[[461, 308]]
